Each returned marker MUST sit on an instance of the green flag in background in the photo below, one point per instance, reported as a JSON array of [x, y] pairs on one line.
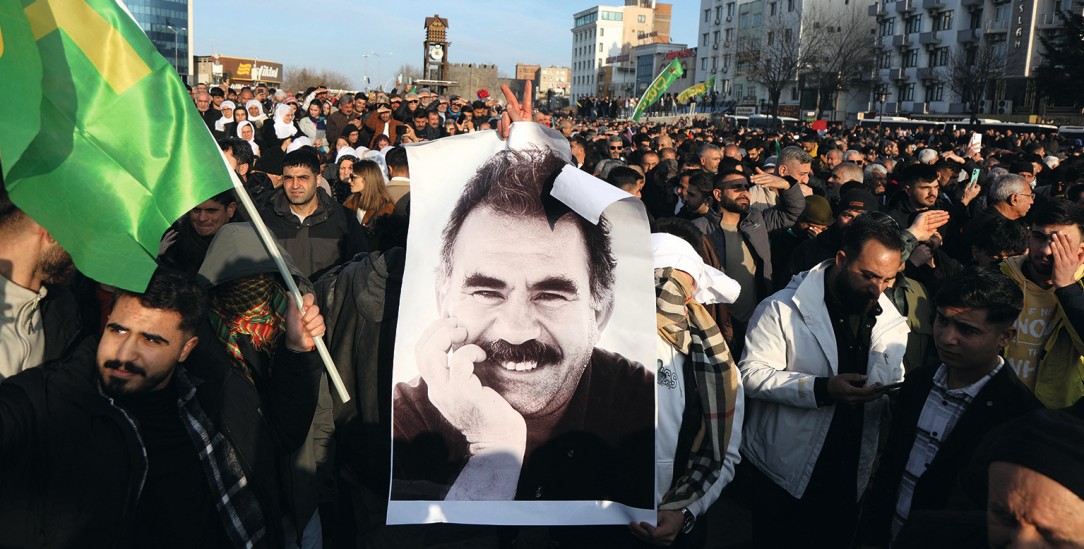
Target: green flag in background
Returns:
[[99, 140], [662, 83], [693, 91]]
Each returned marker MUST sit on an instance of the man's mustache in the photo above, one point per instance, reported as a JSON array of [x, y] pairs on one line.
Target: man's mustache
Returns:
[[529, 351], [126, 366]]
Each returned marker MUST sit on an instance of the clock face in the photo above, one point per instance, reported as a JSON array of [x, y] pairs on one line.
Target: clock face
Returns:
[[436, 52]]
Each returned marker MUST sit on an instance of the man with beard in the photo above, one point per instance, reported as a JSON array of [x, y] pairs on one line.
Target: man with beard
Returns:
[[149, 438], [920, 188], [740, 236], [183, 249], [514, 401], [39, 320], [816, 354], [1046, 352]]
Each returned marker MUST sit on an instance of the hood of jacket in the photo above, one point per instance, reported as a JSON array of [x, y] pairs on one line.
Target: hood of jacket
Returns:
[[237, 252]]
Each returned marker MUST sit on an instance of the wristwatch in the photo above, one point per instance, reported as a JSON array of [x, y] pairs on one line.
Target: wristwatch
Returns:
[[690, 520]]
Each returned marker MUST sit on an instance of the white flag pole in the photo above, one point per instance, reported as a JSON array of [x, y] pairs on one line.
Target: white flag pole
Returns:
[[272, 248]]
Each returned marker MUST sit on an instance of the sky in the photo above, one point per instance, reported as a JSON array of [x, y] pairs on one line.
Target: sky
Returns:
[[336, 38]]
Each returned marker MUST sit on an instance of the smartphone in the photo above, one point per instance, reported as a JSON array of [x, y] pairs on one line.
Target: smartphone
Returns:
[[974, 178], [889, 387], [976, 140]]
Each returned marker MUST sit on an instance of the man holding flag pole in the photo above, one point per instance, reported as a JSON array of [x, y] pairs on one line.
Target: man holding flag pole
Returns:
[[147, 435]]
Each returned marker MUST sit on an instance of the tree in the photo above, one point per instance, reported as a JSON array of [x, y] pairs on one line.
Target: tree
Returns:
[[836, 44], [1060, 77], [971, 72], [773, 63], [300, 79], [410, 73]]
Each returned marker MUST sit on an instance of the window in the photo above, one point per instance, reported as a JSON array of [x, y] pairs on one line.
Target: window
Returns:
[[939, 58], [790, 5], [730, 9], [976, 19], [884, 60], [944, 22], [707, 14], [705, 42], [586, 19], [728, 35], [787, 35], [756, 20], [910, 58], [715, 35], [913, 24], [771, 38], [602, 32], [935, 92], [641, 19], [703, 63], [743, 21], [907, 92], [772, 8], [887, 27]]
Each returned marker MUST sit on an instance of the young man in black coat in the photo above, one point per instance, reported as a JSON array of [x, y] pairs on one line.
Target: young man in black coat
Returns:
[[942, 413]]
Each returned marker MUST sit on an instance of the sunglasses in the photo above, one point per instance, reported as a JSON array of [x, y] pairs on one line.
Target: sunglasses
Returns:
[[412, 100], [612, 148]]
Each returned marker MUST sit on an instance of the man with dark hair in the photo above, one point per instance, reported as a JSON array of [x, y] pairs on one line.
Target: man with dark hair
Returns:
[[39, 319], [996, 240], [1046, 352], [919, 193], [816, 354], [336, 121], [626, 179], [185, 245], [318, 232], [941, 414], [144, 451], [696, 195], [399, 184], [512, 388]]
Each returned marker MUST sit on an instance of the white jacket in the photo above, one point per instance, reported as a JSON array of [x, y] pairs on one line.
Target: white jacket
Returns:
[[789, 343]]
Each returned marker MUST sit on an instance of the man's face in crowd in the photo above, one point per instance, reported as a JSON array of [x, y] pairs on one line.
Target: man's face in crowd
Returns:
[[696, 201], [299, 184], [616, 148], [808, 146], [810, 229], [55, 265], [734, 194], [421, 121], [709, 161], [967, 340], [359, 104], [434, 120], [878, 182], [442, 105], [650, 160], [923, 194], [891, 149], [1029, 509], [855, 157], [732, 151], [140, 348], [481, 113], [1040, 252], [203, 101], [799, 171], [412, 104], [833, 158], [246, 96], [846, 216], [261, 93], [523, 292], [862, 279], [217, 100], [210, 216]]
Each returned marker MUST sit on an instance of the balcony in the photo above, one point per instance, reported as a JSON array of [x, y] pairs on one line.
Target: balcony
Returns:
[[968, 35], [993, 27], [1048, 20], [969, 3], [900, 40], [904, 6], [927, 73], [892, 74], [933, 4], [878, 9], [929, 38]]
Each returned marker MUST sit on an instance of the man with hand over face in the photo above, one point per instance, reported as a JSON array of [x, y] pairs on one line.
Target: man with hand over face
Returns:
[[514, 400]]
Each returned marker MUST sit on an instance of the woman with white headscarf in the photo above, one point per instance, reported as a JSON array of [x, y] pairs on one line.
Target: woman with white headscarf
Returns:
[[247, 132], [255, 113], [226, 109], [275, 137]]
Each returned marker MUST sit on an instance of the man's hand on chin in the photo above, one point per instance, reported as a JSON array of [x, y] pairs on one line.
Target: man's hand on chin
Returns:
[[495, 432]]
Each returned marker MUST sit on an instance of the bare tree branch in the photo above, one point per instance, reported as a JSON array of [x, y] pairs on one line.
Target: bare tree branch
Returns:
[[301, 78], [971, 71], [772, 57], [836, 43]]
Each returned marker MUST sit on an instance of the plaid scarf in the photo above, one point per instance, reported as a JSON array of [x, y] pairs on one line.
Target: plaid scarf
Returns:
[[253, 307], [688, 327]]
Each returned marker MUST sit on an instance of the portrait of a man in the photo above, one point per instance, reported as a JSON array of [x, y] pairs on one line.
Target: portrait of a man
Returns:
[[514, 399]]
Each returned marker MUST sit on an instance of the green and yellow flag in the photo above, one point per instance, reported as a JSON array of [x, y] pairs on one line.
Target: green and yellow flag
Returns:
[[693, 91], [672, 72], [99, 140]]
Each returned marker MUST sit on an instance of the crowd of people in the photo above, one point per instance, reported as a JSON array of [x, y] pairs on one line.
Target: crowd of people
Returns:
[[875, 334]]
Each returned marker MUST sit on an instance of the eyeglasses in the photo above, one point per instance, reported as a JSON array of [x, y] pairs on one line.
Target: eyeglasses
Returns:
[[412, 100], [617, 148], [1029, 195]]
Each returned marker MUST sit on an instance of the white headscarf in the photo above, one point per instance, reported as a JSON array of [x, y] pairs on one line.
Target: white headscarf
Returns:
[[220, 124], [345, 151], [282, 129], [251, 142], [298, 143], [712, 285], [258, 118], [375, 156]]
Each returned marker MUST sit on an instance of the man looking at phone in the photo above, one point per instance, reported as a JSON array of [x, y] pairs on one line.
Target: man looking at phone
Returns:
[[816, 354], [942, 413]]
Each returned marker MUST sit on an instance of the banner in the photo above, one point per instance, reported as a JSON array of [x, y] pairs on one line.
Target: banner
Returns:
[[672, 72], [520, 394], [100, 142], [693, 91]]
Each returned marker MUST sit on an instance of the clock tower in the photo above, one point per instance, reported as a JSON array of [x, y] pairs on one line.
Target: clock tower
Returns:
[[435, 49]]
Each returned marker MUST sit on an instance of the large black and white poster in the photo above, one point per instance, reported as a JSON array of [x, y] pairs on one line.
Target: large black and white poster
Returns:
[[526, 319]]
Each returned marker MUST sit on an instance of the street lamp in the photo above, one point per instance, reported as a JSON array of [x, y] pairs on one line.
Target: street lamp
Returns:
[[176, 46]]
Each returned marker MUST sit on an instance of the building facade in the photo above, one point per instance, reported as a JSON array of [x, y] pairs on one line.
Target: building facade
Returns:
[[168, 23], [650, 59], [602, 41], [215, 69]]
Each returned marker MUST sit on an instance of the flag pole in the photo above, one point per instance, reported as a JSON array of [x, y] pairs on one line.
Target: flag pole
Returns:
[[272, 248]]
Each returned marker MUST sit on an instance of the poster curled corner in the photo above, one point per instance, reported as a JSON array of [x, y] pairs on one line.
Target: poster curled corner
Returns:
[[586, 194]]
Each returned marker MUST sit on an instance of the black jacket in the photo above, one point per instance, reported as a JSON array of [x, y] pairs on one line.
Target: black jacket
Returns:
[[324, 239], [1003, 398], [72, 464]]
